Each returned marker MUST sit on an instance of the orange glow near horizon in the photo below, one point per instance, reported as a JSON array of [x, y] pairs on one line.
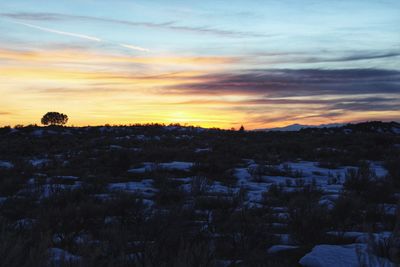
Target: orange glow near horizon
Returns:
[[51, 81], [98, 89]]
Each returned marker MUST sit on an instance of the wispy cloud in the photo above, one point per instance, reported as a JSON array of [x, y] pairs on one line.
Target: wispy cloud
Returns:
[[316, 57], [335, 102], [355, 56], [169, 25], [78, 55]]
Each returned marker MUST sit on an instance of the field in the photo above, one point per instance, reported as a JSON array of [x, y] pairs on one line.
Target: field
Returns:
[[155, 195]]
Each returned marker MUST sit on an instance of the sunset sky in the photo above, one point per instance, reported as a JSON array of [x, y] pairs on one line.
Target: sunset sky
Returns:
[[212, 63]]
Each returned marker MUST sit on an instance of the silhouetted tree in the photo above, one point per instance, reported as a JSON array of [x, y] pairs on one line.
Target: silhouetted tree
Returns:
[[54, 118], [241, 129]]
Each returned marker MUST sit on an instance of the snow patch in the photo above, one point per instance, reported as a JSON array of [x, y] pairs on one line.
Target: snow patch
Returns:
[[6, 164], [280, 248], [352, 255], [144, 187], [39, 162], [177, 165], [58, 256], [67, 177], [202, 150]]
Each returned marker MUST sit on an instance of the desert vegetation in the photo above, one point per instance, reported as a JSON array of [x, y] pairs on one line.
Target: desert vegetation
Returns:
[[157, 195]]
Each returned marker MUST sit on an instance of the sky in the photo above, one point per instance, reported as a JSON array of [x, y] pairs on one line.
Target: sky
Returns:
[[262, 64]]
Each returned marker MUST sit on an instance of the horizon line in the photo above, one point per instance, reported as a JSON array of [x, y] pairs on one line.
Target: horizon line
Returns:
[[187, 125]]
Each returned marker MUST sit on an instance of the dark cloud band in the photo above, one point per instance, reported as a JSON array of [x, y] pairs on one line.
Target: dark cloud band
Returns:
[[300, 82]]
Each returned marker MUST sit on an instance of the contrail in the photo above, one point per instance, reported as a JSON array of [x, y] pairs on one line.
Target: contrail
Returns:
[[82, 36], [138, 48]]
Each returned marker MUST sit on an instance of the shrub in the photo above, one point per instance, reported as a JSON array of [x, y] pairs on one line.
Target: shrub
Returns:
[[359, 180], [307, 220], [21, 249]]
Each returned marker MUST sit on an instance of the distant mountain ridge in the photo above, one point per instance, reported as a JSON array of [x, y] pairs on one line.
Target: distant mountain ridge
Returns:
[[369, 126], [297, 127]]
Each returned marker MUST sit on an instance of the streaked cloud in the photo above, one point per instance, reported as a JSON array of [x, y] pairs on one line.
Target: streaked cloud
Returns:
[[355, 57], [290, 101], [138, 48], [296, 82], [321, 56], [81, 36], [168, 25], [73, 55]]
